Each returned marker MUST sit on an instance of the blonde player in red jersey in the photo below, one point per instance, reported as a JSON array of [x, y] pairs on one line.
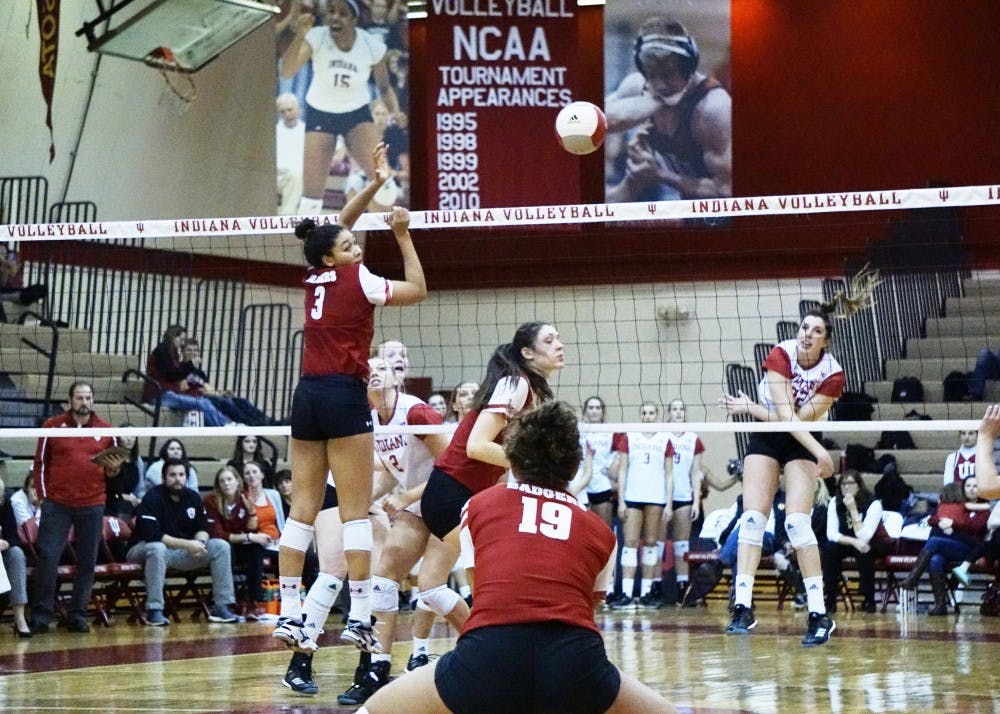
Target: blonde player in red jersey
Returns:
[[331, 420], [531, 644]]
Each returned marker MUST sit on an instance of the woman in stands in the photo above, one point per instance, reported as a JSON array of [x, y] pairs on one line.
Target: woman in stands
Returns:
[[331, 419], [171, 449], [685, 449], [853, 530], [15, 565], [801, 382], [251, 448], [167, 367], [124, 492], [517, 377], [531, 644], [461, 401], [267, 503]]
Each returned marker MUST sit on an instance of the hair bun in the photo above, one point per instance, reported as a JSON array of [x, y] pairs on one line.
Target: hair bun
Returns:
[[304, 228]]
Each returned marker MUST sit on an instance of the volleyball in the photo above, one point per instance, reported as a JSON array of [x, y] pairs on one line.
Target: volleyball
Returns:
[[581, 127]]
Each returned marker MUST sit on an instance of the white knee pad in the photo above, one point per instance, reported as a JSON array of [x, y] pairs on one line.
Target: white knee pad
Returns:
[[296, 535], [385, 594], [661, 548], [358, 535], [630, 557], [649, 553], [441, 599], [681, 547], [752, 525], [798, 526], [310, 206]]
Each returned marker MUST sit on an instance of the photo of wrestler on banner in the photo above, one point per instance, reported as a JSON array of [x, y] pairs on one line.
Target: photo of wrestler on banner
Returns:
[[343, 87], [668, 105]]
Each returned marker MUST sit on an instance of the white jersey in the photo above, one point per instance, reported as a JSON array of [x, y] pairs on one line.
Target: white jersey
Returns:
[[683, 448], [825, 377], [646, 480], [960, 465], [600, 443], [405, 456], [340, 79]]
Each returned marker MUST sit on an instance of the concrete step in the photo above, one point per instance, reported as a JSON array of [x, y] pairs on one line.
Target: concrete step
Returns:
[[984, 328], [69, 340], [963, 348], [976, 304], [925, 369], [105, 388], [933, 392], [81, 364], [923, 439], [911, 461]]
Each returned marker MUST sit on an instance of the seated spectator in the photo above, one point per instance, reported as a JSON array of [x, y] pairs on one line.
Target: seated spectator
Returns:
[[438, 403], [237, 409], [25, 502], [959, 525], [233, 518], [266, 502], [12, 282], [853, 530], [461, 401], [990, 548], [166, 367], [961, 464], [987, 367], [250, 448], [171, 532], [171, 449], [14, 563], [125, 491], [283, 485]]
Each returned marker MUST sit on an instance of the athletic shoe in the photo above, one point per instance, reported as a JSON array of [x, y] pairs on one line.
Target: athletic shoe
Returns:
[[651, 601], [418, 661], [221, 613], [799, 601], [299, 677], [361, 636], [156, 618], [77, 624], [743, 621], [621, 602], [292, 633], [820, 629], [358, 693]]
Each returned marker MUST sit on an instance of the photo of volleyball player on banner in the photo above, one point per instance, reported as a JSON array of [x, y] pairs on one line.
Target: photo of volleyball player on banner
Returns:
[[343, 87], [668, 105]]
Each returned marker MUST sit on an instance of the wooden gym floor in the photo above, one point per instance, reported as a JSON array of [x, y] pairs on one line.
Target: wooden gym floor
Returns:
[[874, 662]]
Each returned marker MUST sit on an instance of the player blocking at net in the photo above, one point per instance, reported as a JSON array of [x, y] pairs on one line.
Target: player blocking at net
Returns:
[[331, 419], [801, 382]]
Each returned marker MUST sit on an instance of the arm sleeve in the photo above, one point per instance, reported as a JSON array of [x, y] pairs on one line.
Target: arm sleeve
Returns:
[[377, 290], [509, 396], [873, 517], [832, 522], [833, 386], [147, 525], [468, 555], [216, 523]]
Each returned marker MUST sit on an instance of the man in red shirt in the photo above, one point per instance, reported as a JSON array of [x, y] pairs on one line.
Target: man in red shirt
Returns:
[[70, 483]]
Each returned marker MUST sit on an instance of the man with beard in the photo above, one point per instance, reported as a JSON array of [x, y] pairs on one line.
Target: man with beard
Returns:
[[70, 475], [171, 531]]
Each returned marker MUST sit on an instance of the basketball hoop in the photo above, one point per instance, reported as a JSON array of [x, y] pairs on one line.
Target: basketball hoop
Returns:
[[162, 58]]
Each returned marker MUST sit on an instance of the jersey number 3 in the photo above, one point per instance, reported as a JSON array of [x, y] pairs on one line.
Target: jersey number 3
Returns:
[[556, 518], [319, 293]]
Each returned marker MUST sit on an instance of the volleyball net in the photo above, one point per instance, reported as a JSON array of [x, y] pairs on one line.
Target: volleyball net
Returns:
[[113, 288]]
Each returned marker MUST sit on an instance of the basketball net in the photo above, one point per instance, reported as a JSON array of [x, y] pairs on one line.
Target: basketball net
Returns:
[[162, 58]]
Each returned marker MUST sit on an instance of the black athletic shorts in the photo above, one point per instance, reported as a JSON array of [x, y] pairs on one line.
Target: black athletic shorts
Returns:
[[330, 408], [599, 497], [336, 124], [441, 504], [678, 505], [641, 505], [549, 667], [780, 446]]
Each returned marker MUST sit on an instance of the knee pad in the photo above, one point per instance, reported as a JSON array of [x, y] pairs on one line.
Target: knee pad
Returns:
[[296, 535], [385, 594], [630, 557], [649, 553], [310, 206], [752, 525], [681, 547], [661, 548], [440, 600], [358, 535], [798, 526]]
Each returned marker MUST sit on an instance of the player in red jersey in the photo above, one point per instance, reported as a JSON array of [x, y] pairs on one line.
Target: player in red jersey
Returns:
[[331, 419], [516, 377], [531, 644]]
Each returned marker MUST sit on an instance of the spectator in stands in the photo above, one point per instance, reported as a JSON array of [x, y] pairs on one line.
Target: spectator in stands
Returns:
[[250, 448], [237, 409], [290, 137], [71, 475], [233, 517], [461, 401], [283, 485], [438, 403], [961, 464], [15, 565], [167, 368], [853, 530], [124, 492], [12, 282], [25, 502], [266, 502], [171, 532], [987, 367], [171, 449], [959, 525]]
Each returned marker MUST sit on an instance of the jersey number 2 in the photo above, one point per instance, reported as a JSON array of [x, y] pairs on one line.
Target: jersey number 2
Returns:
[[319, 293], [556, 518]]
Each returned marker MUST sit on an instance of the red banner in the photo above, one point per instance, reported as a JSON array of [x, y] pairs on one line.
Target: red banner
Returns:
[[48, 51], [498, 73]]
